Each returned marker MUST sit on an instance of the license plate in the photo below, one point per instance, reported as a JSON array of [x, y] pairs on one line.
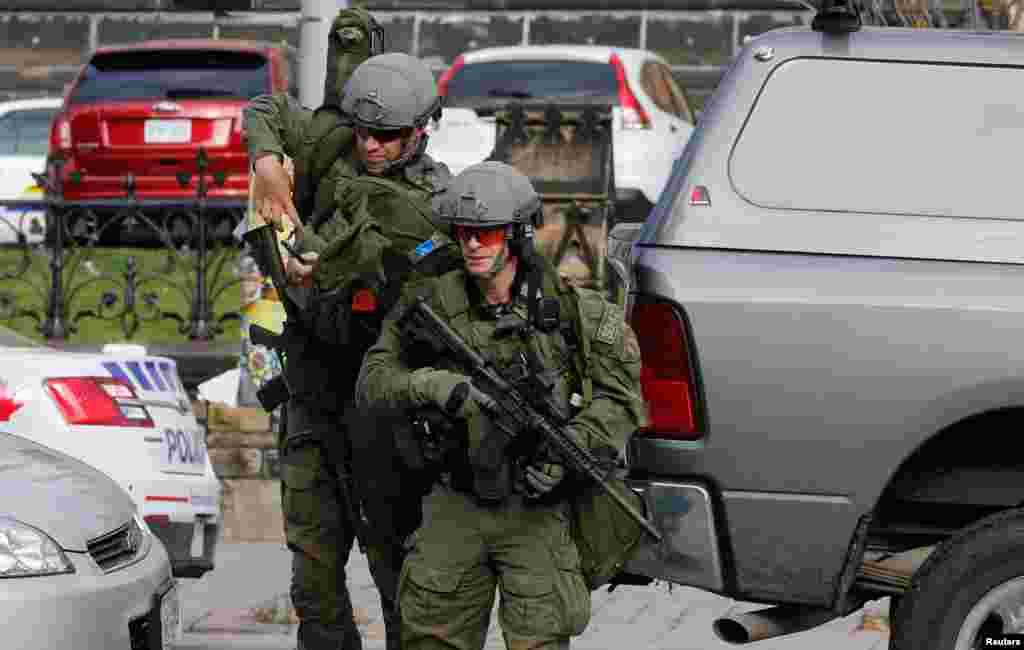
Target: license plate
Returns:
[[198, 537], [168, 131], [170, 618]]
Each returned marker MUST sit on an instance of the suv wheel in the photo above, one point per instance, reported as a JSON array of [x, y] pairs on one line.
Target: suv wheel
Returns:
[[972, 585]]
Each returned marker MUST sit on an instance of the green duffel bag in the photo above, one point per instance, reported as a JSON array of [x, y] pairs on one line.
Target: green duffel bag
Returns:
[[605, 535]]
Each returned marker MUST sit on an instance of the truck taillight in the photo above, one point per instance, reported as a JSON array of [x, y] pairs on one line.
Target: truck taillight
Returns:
[[633, 115], [103, 401], [61, 137], [442, 83], [667, 377]]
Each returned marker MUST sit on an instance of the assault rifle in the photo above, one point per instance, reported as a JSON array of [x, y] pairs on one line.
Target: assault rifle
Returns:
[[513, 414]]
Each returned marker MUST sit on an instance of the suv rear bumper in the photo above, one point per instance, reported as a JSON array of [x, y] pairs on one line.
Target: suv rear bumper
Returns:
[[688, 553]]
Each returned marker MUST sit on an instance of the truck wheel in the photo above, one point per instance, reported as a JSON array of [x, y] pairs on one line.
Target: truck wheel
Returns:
[[972, 585]]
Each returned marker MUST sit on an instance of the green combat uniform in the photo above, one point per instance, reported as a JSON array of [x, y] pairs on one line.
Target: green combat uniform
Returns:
[[362, 226], [513, 540], [319, 525], [380, 225]]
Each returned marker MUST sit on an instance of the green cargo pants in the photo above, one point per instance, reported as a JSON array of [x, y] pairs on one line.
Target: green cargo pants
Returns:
[[463, 551], [319, 533]]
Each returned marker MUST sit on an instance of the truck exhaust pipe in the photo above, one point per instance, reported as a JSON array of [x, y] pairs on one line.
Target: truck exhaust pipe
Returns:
[[771, 622]]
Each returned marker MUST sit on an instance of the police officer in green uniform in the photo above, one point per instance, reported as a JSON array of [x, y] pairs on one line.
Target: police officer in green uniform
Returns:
[[318, 525], [508, 530], [371, 211], [380, 233]]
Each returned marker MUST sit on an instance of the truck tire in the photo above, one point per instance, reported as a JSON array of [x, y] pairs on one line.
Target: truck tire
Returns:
[[971, 585]]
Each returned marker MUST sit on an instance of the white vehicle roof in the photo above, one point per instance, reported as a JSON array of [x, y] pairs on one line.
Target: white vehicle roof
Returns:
[[598, 53], [29, 104]]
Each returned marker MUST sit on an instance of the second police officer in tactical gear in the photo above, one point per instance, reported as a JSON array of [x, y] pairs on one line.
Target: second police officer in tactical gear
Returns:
[[507, 530], [352, 222]]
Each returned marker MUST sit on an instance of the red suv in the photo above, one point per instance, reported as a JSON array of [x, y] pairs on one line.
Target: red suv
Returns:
[[146, 109]]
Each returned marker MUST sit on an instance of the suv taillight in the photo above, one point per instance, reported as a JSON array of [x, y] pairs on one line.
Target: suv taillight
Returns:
[[98, 401], [60, 136], [666, 377], [442, 83], [633, 115]]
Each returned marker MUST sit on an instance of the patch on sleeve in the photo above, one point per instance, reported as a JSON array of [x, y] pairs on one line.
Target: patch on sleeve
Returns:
[[610, 328]]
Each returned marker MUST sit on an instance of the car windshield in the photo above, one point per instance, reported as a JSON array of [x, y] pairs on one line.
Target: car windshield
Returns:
[[534, 79], [173, 74], [25, 132]]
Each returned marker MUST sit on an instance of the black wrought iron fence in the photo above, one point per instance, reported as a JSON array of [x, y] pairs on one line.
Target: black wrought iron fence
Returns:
[[58, 268]]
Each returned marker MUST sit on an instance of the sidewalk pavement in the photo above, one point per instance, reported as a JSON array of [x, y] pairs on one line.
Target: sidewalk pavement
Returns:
[[654, 617]]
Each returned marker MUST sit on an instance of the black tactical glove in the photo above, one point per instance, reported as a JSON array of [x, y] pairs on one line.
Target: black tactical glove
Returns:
[[433, 428], [541, 478]]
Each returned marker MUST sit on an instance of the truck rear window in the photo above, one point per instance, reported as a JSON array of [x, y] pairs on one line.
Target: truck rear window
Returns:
[[885, 137], [533, 79], [173, 74]]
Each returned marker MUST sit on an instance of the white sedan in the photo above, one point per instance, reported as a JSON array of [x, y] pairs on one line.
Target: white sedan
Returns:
[[24, 141], [652, 119], [78, 569], [128, 415]]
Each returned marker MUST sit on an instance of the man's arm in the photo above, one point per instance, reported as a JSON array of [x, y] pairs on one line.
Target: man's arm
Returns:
[[384, 376], [275, 124], [350, 243]]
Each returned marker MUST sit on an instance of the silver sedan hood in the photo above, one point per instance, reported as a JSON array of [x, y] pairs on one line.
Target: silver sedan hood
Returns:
[[68, 500]]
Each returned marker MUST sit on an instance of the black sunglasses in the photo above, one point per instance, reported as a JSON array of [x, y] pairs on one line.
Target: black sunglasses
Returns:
[[381, 135]]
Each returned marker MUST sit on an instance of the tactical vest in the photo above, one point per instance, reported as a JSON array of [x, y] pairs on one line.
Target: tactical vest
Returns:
[[345, 325]]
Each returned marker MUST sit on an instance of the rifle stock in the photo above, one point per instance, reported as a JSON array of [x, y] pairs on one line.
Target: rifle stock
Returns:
[[515, 414]]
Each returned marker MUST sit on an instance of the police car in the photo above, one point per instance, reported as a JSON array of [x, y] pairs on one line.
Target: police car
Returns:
[[127, 414]]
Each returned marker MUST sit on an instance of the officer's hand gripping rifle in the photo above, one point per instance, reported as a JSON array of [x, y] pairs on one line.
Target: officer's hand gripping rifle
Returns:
[[513, 414], [262, 240]]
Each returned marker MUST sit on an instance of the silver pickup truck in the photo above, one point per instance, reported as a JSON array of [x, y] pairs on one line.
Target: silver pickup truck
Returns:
[[829, 298]]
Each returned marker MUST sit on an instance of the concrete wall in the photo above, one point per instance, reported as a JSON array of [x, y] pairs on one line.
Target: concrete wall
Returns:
[[243, 450]]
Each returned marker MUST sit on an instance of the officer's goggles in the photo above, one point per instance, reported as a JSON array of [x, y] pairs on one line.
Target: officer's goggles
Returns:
[[491, 236], [382, 136]]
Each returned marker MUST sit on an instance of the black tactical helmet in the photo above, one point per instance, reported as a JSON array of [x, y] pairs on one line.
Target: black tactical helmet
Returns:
[[491, 194], [391, 91]]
